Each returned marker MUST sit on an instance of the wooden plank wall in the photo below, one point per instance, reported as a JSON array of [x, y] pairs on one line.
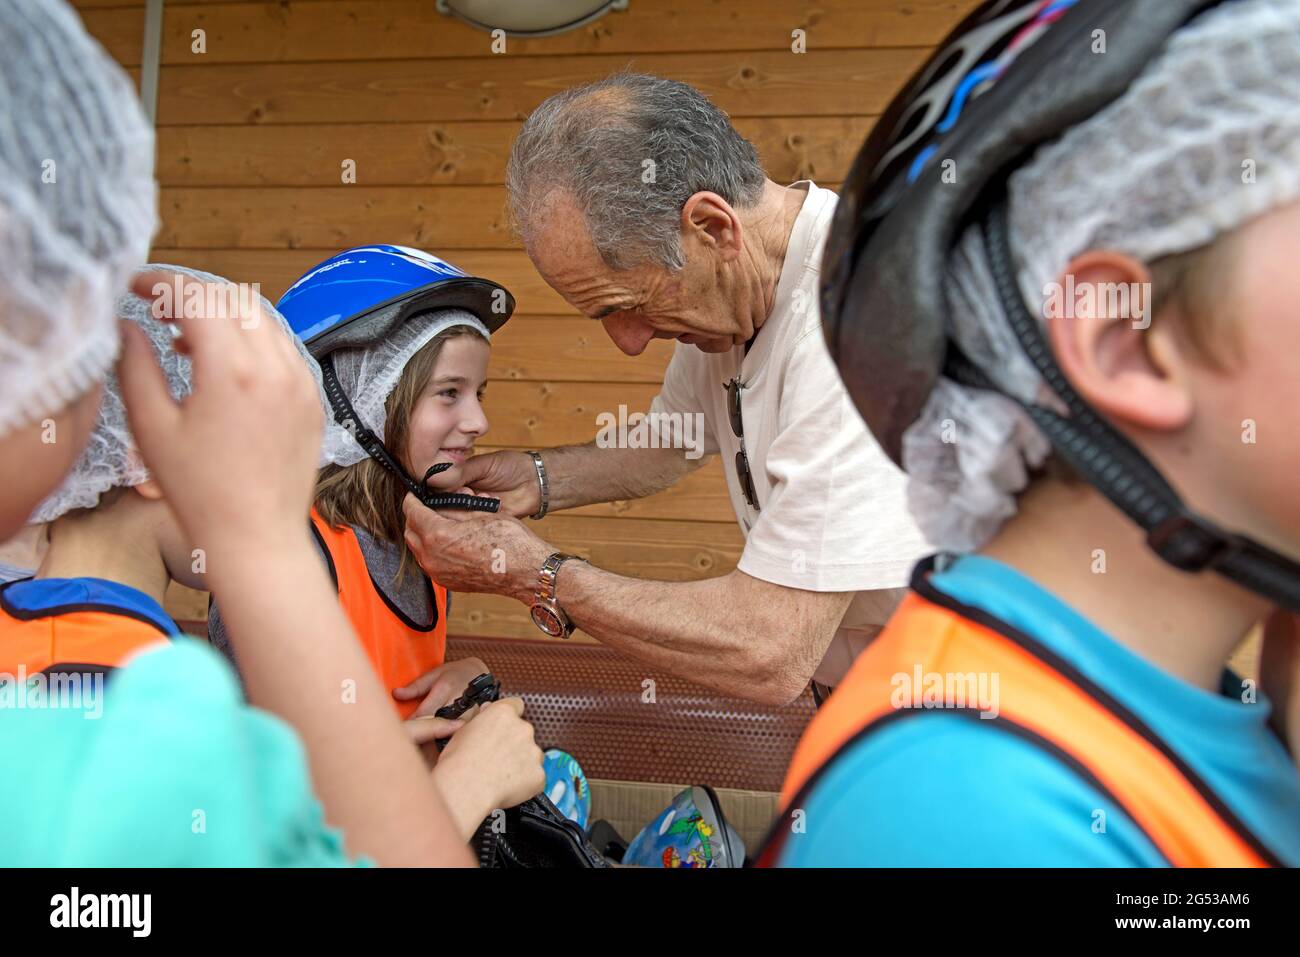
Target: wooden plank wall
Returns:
[[253, 133]]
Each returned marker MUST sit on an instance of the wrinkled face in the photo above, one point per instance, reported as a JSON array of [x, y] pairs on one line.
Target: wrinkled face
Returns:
[[448, 416], [1246, 430], [639, 304], [35, 459]]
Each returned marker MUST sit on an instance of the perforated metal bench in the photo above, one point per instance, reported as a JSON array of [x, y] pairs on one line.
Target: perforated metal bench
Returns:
[[626, 721]]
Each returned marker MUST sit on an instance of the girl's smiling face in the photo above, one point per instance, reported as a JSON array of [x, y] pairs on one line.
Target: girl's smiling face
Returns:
[[448, 416]]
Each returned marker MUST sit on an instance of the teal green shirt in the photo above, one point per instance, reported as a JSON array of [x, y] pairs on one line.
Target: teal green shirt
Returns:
[[176, 769]]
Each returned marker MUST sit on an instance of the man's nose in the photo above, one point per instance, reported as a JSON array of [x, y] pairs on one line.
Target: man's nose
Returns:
[[630, 335]]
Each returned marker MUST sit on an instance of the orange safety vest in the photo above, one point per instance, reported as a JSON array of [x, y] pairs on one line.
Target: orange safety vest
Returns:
[[81, 637], [1043, 700], [400, 650]]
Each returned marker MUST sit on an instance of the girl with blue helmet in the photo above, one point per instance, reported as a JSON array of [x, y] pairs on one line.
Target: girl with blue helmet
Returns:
[[401, 338]]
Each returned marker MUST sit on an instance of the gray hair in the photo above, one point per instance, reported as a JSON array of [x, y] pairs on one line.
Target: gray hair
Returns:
[[631, 149]]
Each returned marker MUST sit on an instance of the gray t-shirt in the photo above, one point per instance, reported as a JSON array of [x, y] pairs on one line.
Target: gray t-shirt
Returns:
[[413, 596]]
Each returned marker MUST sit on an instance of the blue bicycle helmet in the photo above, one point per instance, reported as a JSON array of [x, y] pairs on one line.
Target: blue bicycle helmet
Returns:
[[691, 832], [361, 294], [358, 297]]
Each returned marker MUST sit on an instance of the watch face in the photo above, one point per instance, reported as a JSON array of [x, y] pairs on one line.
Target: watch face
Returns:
[[547, 620]]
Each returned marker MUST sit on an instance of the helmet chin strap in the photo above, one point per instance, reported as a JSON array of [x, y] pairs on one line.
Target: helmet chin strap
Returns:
[[347, 417], [1111, 463]]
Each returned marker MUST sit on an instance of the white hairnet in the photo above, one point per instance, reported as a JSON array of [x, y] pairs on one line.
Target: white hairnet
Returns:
[[110, 459], [1207, 138], [369, 374], [77, 207]]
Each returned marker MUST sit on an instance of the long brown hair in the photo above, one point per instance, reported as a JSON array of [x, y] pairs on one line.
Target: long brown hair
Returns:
[[366, 494]]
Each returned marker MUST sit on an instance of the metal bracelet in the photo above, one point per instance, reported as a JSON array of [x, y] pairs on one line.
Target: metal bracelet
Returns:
[[543, 484]]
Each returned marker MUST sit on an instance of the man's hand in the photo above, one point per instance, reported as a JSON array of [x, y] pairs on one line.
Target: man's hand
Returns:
[[441, 686], [577, 475], [474, 551], [509, 476]]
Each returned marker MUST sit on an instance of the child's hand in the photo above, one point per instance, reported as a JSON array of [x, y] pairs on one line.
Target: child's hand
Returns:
[[493, 762], [237, 458], [426, 729], [441, 686], [1279, 670]]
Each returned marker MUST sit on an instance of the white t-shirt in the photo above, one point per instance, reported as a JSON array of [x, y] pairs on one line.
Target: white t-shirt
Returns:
[[833, 510]]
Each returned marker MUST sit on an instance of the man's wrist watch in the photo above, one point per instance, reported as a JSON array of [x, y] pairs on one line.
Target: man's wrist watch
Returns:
[[544, 487], [546, 611]]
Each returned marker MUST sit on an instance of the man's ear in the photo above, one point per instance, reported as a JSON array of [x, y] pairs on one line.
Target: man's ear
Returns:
[[709, 219], [1100, 330]]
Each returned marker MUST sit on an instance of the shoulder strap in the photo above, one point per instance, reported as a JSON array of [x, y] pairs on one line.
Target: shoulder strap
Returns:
[[319, 528], [1044, 700]]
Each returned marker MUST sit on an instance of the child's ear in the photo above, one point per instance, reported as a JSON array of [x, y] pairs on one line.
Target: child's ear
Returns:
[[149, 490], [1101, 333]]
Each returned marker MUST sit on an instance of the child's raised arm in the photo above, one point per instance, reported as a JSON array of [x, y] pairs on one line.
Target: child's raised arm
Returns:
[[236, 461]]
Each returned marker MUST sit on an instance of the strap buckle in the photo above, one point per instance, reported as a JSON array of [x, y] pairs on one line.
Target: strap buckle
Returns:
[[1189, 542]]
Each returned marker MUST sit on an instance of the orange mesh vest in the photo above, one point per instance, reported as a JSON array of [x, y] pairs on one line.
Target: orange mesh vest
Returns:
[[1041, 699], [80, 637], [400, 650]]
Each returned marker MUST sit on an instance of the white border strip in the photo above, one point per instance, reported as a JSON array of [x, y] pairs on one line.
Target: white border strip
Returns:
[[151, 58]]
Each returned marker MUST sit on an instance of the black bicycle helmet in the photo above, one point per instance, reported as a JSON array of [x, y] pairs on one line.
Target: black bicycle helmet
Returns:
[[1014, 75]]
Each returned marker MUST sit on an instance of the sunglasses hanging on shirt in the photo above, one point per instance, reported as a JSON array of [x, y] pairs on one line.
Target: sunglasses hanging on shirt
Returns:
[[738, 427]]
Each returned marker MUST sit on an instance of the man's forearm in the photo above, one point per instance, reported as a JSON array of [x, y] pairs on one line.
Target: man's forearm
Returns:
[[735, 634], [587, 474]]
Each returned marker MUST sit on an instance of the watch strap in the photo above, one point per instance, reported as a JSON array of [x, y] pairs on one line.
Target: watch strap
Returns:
[[547, 578], [544, 487]]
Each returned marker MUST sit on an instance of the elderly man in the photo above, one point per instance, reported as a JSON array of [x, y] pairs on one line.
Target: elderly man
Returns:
[[642, 206]]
